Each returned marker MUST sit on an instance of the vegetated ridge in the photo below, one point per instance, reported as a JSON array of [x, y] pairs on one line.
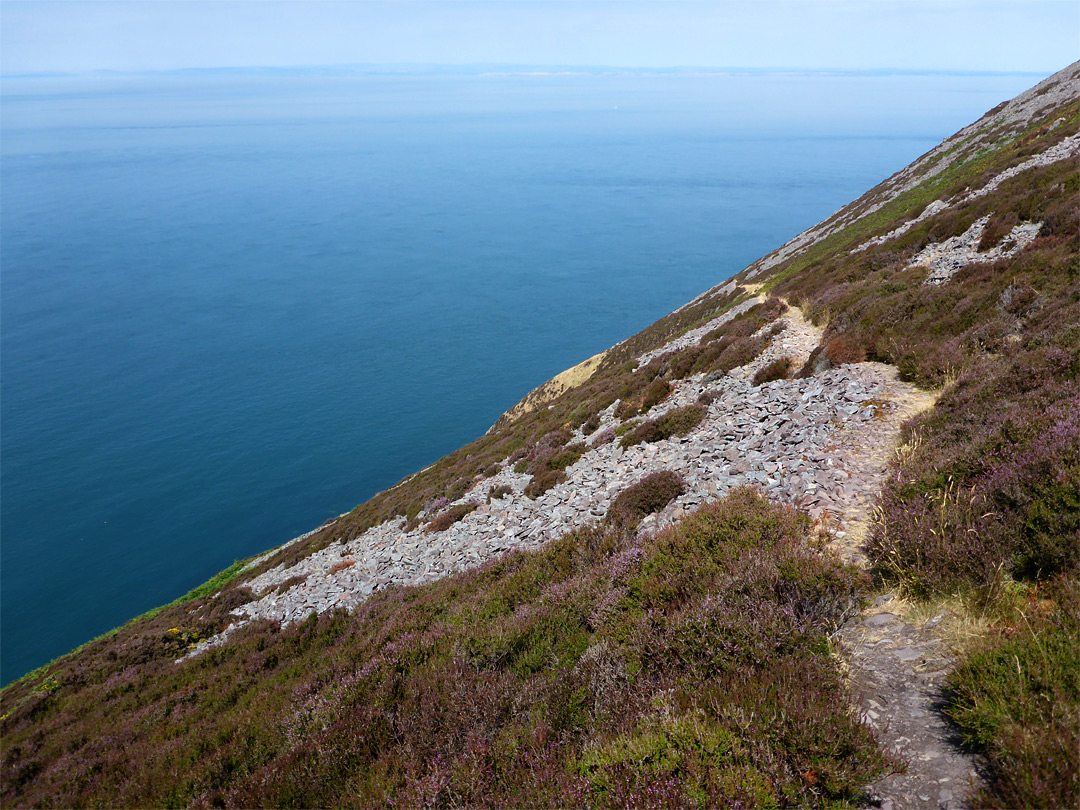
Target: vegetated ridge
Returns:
[[728, 562]]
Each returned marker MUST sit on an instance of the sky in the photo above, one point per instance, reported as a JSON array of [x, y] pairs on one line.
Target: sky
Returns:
[[57, 36]]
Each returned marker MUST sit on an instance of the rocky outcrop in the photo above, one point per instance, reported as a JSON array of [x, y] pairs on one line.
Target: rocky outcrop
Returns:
[[946, 259]]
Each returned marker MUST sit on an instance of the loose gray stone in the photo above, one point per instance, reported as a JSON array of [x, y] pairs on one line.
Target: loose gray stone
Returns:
[[881, 619]]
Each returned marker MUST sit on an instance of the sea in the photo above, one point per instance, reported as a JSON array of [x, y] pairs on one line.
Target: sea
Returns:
[[234, 304]]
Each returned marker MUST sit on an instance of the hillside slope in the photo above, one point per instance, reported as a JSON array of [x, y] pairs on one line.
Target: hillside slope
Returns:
[[645, 585]]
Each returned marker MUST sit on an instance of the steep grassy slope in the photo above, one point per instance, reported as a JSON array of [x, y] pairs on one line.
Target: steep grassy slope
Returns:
[[691, 666]]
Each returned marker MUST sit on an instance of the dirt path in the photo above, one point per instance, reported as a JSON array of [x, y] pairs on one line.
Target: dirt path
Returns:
[[897, 670], [868, 447]]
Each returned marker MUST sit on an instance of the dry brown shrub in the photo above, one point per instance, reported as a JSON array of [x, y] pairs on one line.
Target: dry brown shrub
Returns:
[[776, 370], [448, 518], [845, 349]]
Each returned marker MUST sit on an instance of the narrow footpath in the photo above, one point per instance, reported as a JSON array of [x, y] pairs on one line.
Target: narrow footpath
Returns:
[[897, 670]]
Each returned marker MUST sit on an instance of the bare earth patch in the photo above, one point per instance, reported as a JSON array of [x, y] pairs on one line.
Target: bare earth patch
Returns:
[[571, 378]]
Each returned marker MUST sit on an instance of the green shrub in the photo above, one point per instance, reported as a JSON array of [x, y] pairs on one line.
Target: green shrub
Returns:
[[992, 489], [556, 438], [677, 422], [706, 361], [747, 323]]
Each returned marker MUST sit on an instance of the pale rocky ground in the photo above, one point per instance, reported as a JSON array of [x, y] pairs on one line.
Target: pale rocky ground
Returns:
[[946, 259], [796, 440]]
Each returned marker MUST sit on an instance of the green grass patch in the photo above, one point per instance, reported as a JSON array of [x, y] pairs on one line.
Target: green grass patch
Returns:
[[1016, 697]]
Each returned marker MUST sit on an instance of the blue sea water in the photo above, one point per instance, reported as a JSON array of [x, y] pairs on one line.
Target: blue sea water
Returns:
[[235, 305]]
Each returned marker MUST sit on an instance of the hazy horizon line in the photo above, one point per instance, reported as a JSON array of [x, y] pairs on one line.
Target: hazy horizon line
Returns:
[[501, 68]]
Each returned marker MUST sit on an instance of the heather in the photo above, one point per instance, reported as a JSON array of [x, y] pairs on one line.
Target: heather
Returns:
[[984, 502], [1017, 697], [445, 520], [779, 369], [691, 666], [972, 169], [651, 494], [985, 484], [653, 394], [873, 304], [988, 485], [497, 493]]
